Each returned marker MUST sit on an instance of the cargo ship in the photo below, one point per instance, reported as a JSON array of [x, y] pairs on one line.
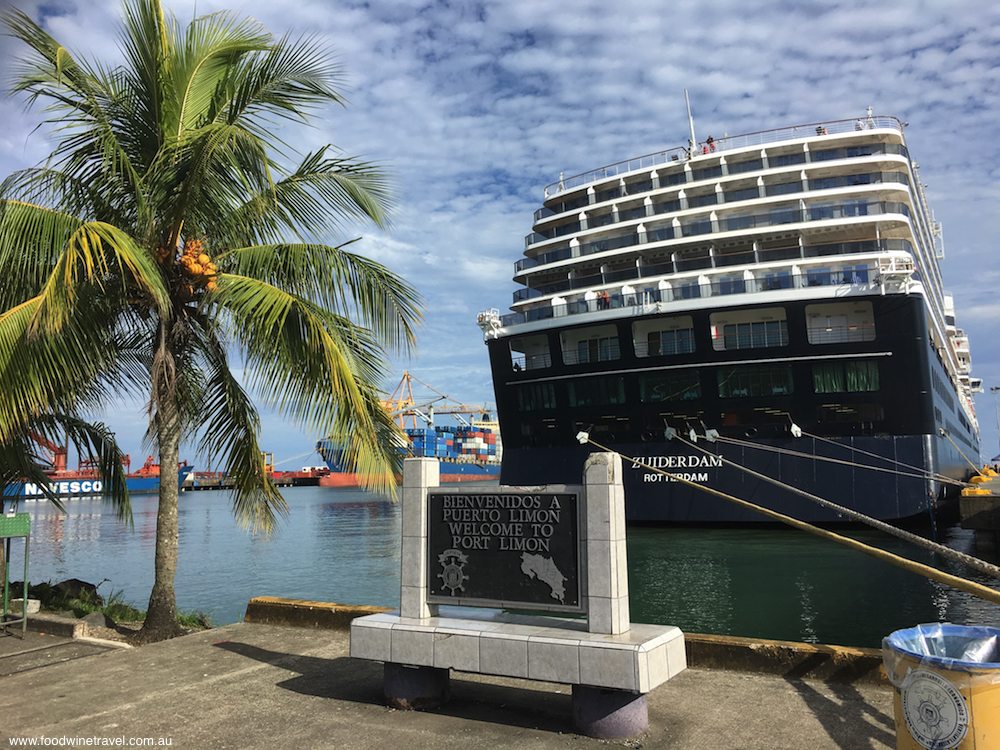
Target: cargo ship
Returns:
[[470, 451], [769, 301], [86, 482]]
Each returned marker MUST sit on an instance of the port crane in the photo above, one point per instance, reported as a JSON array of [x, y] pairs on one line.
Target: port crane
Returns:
[[406, 410]]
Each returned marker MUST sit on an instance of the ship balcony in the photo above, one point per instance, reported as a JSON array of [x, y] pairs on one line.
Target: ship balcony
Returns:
[[640, 200], [716, 224], [860, 277], [898, 249]]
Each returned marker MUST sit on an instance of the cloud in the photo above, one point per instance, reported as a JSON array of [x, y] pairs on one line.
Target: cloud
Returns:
[[478, 105]]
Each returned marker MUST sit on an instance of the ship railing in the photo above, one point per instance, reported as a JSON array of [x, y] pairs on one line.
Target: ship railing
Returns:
[[841, 334], [863, 277], [533, 362], [726, 143], [757, 336], [834, 127]]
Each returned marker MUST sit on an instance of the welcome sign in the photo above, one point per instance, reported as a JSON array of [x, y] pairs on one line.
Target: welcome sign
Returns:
[[514, 550]]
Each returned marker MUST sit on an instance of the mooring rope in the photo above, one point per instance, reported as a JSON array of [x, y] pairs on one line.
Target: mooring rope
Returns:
[[976, 589], [841, 462], [973, 562], [929, 474], [974, 467]]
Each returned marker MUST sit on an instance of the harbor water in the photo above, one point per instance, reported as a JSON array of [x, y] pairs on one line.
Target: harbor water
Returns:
[[342, 545]]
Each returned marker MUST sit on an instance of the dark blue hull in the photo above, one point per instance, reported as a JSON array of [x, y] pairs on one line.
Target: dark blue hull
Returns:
[[897, 445], [875, 487]]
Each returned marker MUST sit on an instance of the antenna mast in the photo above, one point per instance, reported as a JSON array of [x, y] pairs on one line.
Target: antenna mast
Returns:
[[692, 141]]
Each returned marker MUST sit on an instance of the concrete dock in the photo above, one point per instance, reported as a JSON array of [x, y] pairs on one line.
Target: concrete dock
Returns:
[[259, 685]]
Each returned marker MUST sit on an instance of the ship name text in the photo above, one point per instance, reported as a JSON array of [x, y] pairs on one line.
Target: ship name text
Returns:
[[667, 463]]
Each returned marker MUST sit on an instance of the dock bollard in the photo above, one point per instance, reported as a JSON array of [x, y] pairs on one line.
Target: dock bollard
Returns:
[[946, 680]]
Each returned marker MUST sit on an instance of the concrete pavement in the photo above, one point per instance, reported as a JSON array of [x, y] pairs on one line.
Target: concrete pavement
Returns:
[[253, 686]]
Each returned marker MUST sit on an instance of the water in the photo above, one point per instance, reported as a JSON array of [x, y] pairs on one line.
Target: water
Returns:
[[342, 545]]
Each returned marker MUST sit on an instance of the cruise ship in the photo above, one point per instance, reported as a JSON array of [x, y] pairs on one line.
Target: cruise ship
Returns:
[[769, 303]]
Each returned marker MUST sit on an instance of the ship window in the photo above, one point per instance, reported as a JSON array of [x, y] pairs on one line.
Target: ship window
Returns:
[[818, 277], [835, 153], [663, 336], [680, 385], [595, 344], [776, 280], [855, 208], [839, 322], [850, 413], [759, 416], [784, 215], [596, 391], [783, 188], [854, 275], [530, 353], [746, 166], [631, 213], [536, 397], [754, 380], [731, 285], [786, 160], [698, 226], [537, 433], [751, 329], [666, 206], [822, 211], [745, 194], [705, 174], [687, 290], [823, 183], [606, 195], [845, 377]]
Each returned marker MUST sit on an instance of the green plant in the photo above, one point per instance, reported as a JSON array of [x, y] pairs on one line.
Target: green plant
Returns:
[[120, 611], [195, 620]]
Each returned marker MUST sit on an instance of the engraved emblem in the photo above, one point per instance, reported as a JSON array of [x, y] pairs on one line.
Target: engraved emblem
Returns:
[[935, 711], [452, 574]]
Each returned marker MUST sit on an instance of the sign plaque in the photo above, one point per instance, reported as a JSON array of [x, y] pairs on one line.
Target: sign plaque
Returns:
[[513, 550]]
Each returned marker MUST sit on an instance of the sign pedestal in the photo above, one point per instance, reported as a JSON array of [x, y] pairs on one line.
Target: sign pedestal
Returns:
[[552, 549], [415, 688], [609, 714]]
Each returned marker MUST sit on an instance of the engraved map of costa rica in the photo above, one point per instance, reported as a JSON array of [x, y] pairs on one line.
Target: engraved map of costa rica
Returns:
[[536, 566]]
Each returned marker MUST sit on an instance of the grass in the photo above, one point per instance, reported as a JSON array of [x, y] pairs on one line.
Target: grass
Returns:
[[115, 607]]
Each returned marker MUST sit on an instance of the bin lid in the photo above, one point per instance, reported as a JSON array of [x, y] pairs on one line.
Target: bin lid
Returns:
[[947, 645]]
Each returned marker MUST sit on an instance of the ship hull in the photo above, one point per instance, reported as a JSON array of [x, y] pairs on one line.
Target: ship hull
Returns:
[[88, 486], [449, 473], [864, 475]]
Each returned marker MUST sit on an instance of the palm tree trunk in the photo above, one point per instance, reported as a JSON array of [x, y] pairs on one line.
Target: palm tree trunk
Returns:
[[161, 614]]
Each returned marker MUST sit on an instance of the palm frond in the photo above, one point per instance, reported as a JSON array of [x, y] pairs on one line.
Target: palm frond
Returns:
[[345, 283], [292, 79], [314, 366], [229, 432]]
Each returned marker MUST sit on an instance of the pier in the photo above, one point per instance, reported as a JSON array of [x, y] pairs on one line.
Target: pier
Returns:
[[979, 507], [238, 685], [282, 479]]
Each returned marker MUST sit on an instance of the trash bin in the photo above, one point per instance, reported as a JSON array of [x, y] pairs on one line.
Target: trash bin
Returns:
[[947, 685]]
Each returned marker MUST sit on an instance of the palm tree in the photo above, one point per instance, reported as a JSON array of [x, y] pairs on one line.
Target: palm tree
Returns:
[[166, 242]]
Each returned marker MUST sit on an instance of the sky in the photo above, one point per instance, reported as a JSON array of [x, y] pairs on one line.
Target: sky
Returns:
[[475, 106]]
